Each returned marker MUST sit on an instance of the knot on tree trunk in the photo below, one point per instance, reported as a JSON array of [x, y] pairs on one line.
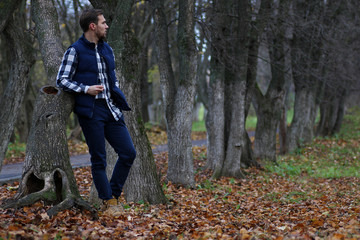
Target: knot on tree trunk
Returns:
[[50, 90]]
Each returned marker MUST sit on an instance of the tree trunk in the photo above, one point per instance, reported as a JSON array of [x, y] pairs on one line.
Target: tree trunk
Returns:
[[341, 110], [143, 182], [331, 111], [48, 35], [179, 113], [306, 58], [236, 142], [23, 123], [229, 147], [215, 118], [268, 115], [283, 126], [178, 100], [308, 131], [270, 105], [22, 59], [7, 8], [144, 84], [47, 173]]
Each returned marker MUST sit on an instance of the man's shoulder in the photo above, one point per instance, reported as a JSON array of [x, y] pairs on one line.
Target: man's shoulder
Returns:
[[75, 45]]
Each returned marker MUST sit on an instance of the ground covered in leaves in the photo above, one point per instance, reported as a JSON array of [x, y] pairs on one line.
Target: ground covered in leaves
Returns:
[[311, 194]]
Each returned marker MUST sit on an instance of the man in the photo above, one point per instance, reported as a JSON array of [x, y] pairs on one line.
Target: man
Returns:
[[88, 70]]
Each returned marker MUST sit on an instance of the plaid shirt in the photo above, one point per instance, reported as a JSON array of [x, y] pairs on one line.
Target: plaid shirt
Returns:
[[67, 71]]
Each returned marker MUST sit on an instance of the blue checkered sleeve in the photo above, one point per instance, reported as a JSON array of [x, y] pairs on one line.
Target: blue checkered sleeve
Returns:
[[67, 71]]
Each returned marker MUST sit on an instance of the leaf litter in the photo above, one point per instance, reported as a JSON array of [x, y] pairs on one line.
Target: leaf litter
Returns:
[[264, 205]]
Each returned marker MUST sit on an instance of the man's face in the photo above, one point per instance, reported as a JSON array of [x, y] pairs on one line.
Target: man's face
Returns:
[[101, 27]]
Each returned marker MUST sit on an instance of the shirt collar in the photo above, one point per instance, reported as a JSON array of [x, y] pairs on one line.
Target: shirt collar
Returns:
[[91, 44]]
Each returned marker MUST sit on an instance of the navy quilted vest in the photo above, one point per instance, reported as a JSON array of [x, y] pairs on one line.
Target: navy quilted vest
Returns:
[[87, 73]]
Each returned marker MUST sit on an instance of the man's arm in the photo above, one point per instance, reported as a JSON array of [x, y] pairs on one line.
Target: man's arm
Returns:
[[67, 71]]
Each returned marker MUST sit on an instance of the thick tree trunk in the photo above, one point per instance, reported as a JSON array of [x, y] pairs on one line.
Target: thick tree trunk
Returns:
[[7, 8], [283, 126], [332, 110], [306, 56], [144, 84], [341, 110], [48, 35], [143, 182], [22, 59], [46, 174], [301, 128], [308, 132], [229, 146], [268, 115], [179, 115], [237, 146], [215, 118], [270, 105], [178, 99], [23, 123]]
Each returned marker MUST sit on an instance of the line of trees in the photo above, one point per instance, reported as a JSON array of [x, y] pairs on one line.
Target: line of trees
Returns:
[[208, 51]]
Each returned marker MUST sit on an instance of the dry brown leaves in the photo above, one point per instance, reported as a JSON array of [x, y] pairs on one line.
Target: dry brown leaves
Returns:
[[262, 206]]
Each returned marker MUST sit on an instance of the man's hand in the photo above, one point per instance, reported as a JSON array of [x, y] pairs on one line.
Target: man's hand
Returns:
[[95, 90]]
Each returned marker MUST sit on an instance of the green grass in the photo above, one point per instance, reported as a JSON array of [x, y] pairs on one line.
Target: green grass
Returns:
[[250, 124], [199, 126], [15, 149], [330, 157]]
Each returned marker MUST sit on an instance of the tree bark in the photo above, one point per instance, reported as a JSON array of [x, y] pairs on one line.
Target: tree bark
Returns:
[[270, 105], [7, 8], [22, 59], [48, 35], [144, 84], [215, 117], [178, 100], [331, 111], [47, 173], [229, 147], [306, 57]]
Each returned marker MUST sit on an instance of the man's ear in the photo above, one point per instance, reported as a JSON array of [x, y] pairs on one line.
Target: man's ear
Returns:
[[92, 26]]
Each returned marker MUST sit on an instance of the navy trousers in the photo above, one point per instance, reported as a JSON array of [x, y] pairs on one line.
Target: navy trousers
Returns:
[[98, 128]]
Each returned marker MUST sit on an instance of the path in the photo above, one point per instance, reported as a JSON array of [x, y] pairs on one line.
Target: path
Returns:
[[13, 172]]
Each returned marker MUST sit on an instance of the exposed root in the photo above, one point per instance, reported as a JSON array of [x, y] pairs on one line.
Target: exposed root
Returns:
[[72, 202], [54, 189]]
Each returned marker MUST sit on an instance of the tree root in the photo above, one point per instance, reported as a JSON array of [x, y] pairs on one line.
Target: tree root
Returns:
[[72, 202], [63, 198]]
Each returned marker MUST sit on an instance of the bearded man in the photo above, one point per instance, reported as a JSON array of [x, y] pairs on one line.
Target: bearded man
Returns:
[[88, 71]]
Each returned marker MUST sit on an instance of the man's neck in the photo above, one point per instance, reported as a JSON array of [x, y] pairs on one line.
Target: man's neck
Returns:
[[91, 37]]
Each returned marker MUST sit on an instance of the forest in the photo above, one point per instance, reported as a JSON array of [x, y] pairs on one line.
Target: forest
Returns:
[[272, 85]]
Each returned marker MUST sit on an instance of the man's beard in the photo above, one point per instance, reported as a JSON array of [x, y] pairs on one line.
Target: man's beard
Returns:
[[101, 36]]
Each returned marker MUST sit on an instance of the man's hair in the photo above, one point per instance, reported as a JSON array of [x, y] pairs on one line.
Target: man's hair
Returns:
[[89, 16]]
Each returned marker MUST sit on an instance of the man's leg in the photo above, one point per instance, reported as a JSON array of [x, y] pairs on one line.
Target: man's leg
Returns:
[[119, 138], [93, 129]]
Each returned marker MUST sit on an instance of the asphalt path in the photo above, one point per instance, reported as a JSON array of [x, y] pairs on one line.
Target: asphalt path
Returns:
[[13, 172]]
